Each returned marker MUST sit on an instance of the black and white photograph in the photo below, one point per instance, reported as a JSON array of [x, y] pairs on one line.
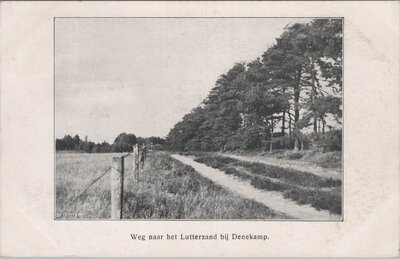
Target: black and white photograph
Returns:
[[199, 129], [198, 118]]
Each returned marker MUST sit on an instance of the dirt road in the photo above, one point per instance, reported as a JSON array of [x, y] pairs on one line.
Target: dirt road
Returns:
[[289, 164], [273, 200]]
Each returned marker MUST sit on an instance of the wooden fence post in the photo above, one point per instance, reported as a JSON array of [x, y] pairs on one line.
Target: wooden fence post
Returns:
[[134, 161], [144, 150], [141, 157], [117, 187]]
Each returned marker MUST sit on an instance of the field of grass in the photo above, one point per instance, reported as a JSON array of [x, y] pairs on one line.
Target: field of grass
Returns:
[[302, 187], [74, 172], [167, 190]]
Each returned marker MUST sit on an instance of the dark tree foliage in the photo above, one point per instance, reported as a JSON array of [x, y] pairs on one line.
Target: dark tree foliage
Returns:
[[272, 101], [123, 143]]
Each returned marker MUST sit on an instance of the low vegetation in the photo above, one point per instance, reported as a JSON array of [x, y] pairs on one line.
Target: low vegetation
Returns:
[[302, 187], [167, 190], [74, 173], [331, 159]]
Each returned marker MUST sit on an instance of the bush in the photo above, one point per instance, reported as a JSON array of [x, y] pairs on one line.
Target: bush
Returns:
[[264, 183], [318, 199], [330, 141], [230, 170], [294, 155], [330, 160], [326, 160], [233, 171], [210, 161], [257, 168]]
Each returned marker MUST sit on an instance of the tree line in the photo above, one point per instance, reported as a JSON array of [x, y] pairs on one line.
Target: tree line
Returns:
[[123, 143], [288, 98]]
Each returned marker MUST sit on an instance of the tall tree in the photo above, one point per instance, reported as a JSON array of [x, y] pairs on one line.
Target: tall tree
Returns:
[[294, 85]]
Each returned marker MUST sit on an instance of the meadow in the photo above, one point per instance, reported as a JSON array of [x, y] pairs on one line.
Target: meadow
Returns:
[[167, 189]]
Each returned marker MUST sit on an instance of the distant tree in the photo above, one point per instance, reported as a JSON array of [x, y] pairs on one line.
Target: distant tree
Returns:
[[141, 140], [96, 148], [77, 142], [124, 143], [86, 146], [69, 142], [156, 140], [105, 147], [60, 144]]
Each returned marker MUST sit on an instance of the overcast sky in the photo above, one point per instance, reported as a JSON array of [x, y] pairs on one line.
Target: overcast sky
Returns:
[[142, 76]]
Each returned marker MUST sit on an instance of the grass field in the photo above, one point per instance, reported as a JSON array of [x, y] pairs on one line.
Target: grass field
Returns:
[[167, 190], [302, 187]]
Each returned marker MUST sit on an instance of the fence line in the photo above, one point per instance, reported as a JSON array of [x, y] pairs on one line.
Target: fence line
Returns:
[[130, 153], [139, 155], [117, 187], [95, 180]]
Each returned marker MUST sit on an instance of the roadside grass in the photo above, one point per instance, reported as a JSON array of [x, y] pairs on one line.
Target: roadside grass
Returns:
[[167, 189], [331, 159], [288, 175], [302, 187], [326, 160], [323, 200]]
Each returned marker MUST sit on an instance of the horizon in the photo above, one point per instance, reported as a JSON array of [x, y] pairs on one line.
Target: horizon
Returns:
[[142, 75]]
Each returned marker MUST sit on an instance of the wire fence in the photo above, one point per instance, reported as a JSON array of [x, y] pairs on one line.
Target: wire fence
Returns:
[[89, 185], [117, 170], [97, 179]]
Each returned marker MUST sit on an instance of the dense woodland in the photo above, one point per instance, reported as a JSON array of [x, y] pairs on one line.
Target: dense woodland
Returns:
[[288, 98]]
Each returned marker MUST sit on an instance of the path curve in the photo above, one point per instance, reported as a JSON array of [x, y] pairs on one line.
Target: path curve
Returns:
[[319, 171], [272, 199]]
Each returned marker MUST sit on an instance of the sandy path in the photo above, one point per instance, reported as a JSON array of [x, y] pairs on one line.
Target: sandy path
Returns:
[[273, 200], [296, 165]]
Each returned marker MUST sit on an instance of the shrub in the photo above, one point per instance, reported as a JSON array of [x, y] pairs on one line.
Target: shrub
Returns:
[[264, 183], [235, 172], [230, 170], [331, 183], [318, 199], [326, 160], [257, 168], [330, 141], [294, 155], [210, 161]]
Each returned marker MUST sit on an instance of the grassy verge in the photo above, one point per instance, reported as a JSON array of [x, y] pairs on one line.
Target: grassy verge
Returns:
[[167, 190], [300, 178], [302, 187], [332, 159], [170, 189]]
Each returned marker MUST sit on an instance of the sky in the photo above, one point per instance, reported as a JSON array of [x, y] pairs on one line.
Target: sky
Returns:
[[142, 75]]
